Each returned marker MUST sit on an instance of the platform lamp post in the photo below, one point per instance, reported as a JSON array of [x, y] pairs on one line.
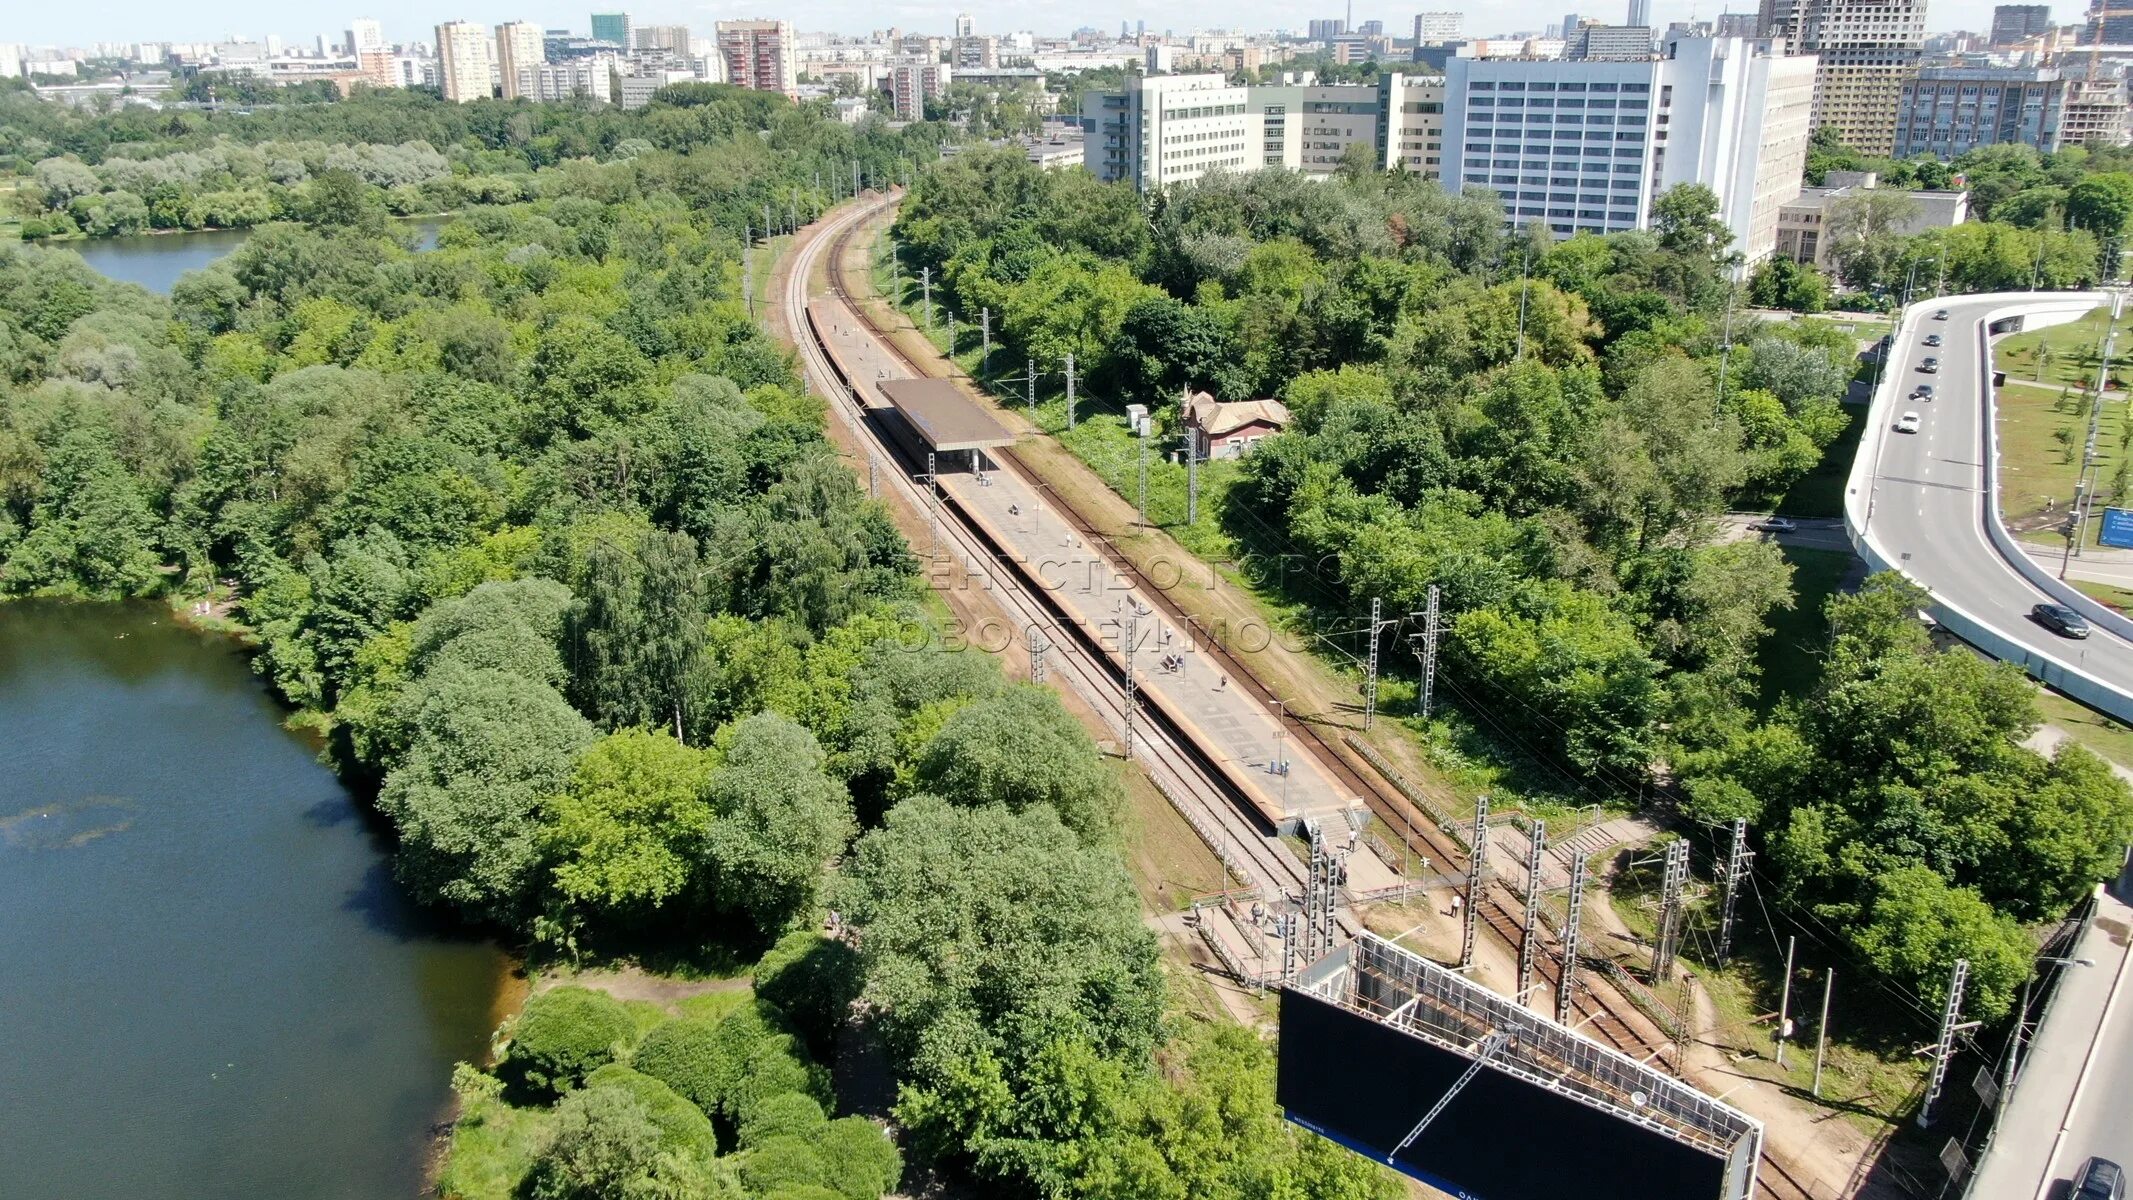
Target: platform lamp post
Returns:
[[2012, 1072]]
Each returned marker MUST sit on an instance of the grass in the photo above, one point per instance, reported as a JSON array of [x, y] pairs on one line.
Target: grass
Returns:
[[1790, 654], [492, 1144], [2107, 736], [2043, 417], [1169, 863], [2110, 594]]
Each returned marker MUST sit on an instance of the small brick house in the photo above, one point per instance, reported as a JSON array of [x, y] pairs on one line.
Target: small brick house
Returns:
[[1232, 429]]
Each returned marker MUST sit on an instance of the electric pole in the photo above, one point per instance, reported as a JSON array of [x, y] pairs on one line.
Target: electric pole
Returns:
[[1038, 644], [1568, 984], [933, 497], [1192, 479], [1829, 981], [1672, 885], [985, 340], [1029, 385], [1370, 666], [1429, 652], [1529, 942], [1477, 858], [1736, 868], [1784, 1029], [1943, 1050], [855, 178], [1146, 423], [1133, 616], [925, 281], [1070, 388], [747, 273]]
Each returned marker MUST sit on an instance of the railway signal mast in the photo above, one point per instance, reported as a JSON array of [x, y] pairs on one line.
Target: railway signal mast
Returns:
[[1529, 941]]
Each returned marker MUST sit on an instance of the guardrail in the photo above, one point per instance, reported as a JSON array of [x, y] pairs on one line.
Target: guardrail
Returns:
[[2036, 311]]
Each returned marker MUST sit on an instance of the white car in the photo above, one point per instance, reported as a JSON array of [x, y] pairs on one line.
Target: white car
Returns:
[[1940, 314], [1907, 423], [1775, 525]]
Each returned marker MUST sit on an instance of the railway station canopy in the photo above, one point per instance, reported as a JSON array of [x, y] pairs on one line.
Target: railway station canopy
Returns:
[[943, 416]]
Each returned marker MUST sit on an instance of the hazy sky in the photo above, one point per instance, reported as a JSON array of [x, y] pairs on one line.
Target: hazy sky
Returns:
[[410, 20]]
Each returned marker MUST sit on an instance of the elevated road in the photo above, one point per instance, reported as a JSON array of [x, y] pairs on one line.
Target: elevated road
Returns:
[[1925, 503]]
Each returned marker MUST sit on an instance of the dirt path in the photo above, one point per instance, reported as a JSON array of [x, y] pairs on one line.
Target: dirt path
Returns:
[[635, 983]]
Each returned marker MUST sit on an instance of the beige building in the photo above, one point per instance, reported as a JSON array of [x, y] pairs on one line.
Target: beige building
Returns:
[[1868, 49], [673, 39], [1309, 129], [1803, 221], [463, 61], [1414, 109], [758, 55], [518, 47], [912, 82]]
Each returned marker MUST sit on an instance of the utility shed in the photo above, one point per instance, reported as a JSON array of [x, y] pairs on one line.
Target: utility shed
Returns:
[[943, 416]]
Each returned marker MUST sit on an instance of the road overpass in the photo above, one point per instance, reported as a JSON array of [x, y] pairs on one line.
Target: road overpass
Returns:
[[1926, 503]]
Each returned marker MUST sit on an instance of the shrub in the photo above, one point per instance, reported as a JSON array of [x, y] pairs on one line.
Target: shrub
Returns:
[[861, 1160], [565, 1035], [685, 1055], [813, 979], [683, 1127], [789, 1115], [783, 1162]]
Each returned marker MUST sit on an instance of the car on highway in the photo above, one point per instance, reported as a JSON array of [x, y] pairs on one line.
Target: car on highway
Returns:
[[2061, 620], [1932, 339], [2099, 1179], [1929, 366], [1924, 392], [1775, 525], [1940, 314], [1907, 423]]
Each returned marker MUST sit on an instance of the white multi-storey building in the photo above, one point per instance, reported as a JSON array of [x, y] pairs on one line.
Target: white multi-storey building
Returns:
[[463, 61], [1170, 129], [758, 55], [365, 33], [518, 46], [1436, 28], [1588, 146], [592, 76]]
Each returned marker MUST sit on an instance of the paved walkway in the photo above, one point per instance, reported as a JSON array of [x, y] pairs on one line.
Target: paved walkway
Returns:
[[2074, 1096]]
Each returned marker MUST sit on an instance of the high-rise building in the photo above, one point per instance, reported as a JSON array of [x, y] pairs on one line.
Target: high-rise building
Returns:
[[1723, 112], [2109, 24], [1602, 43], [1436, 28], [975, 53], [967, 26], [518, 45], [612, 27], [1740, 25], [1947, 111], [1327, 28], [588, 76], [671, 39], [365, 33], [1866, 49], [758, 55], [913, 81], [1570, 24], [1640, 13], [463, 61], [2016, 23], [1169, 129]]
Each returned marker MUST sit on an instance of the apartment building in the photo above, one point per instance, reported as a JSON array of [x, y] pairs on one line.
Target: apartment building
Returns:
[[463, 61], [1436, 28], [1169, 129], [366, 33], [759, 55], [1601, 43], [2013, 24], [612, 27], [1867, 50], [593, 77], [2095, 112], [1309, 129], [977, 53], [1947, 111], [1587, 146], [913, 81], [2109, 24], [519, 46], [1411, 123], [672, 40]]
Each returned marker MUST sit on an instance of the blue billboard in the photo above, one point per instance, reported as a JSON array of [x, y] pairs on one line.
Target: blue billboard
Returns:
[[2117, 527]]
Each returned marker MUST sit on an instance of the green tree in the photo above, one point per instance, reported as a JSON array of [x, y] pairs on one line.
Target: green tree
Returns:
[[779, 818], [1021, 749], [629, 833]]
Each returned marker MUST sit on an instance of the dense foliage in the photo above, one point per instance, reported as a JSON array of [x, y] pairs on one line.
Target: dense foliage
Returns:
[[546, 535]]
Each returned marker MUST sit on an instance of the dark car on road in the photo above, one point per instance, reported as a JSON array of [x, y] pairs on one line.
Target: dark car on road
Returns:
[[1929, 366], [2099, 1179], [1940, 314], [2061, 620], [1932, 339]]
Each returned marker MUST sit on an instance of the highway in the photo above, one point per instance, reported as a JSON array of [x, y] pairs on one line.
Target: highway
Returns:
[[1926, 503]]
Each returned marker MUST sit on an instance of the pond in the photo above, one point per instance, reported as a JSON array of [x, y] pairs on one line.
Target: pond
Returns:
[[156, 260], [210, 984]]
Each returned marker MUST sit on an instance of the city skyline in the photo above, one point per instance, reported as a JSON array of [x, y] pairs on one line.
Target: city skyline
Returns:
[[409, 20]]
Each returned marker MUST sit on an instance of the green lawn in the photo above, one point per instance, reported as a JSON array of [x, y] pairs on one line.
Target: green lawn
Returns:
[[2106, 736], [2043, 417], [2117, 597], [1790, 654]]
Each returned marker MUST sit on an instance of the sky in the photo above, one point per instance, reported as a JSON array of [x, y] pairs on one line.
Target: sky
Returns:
[[414, 20]]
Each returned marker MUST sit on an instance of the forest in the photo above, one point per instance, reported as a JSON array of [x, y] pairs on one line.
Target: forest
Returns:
[[543, 535], [1549, 433]]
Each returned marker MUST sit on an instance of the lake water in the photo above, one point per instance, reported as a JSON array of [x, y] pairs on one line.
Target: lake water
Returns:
[[210, 985], [156, 260]]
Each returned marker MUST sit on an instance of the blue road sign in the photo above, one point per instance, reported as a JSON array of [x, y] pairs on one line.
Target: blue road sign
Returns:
[[2117, 527]]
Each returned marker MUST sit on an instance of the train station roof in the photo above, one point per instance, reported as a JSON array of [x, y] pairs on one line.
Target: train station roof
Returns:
[[944, 416]]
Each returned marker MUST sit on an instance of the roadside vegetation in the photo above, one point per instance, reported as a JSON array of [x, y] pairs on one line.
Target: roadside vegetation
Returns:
[[545, 537], [1551, 448]]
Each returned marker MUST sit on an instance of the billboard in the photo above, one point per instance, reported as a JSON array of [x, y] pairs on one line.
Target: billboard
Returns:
[[1365, 1084], [2117, 527]]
